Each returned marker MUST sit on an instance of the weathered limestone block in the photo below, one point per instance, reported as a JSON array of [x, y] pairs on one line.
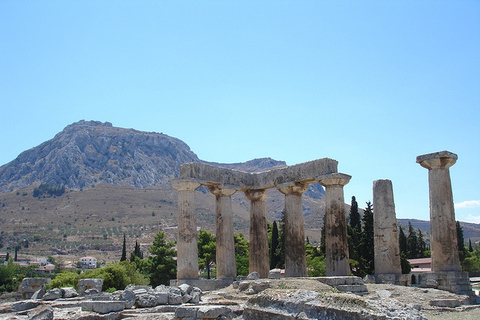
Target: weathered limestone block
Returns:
[[275, 274], [25, 305], [443, 245], [86, 284], [41, 313], [30, 285], [53, 294], [253, 276], [69, 292], [260, 285], [103, 307], [39, 293], [387, 249]]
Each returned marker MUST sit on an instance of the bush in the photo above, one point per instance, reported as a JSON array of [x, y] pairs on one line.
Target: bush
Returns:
[[117, 275], [64, 279]]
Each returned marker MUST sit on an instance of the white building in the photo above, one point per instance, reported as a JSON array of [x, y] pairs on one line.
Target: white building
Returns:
[[88, 262]]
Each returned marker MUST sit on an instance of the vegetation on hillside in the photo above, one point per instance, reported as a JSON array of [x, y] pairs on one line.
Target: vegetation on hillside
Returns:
[[46, 190]]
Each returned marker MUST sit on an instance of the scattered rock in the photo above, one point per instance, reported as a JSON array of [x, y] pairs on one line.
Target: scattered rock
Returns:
[[41, 313], [253, 276], [30, 285], [244, 285], [432, 283], [69, 292], [449, 303], [275, 274], [259, 286], [86, 284], [25, 305], [384, 294], [52, 294], [103, 307], [39, 293]]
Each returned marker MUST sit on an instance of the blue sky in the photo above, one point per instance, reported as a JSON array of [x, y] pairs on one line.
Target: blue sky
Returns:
[[371, 84]]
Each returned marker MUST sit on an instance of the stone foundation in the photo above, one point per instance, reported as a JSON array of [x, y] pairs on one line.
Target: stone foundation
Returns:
[[204, 284], [455, 281]]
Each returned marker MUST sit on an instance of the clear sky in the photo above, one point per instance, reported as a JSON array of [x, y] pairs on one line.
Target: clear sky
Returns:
[[372, 84]]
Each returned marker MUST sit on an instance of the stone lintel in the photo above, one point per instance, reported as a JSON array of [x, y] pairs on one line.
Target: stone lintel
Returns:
[[442, 159], [308, 171], [334, 179]]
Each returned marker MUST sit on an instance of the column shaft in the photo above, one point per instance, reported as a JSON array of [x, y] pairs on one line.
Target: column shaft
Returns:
[[225, 248], [387, 248], [258, 258], [295, 256], [443, 246], [187, 250], [336, 240]]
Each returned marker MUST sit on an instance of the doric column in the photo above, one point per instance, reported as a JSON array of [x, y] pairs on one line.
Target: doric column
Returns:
[[442, 215], [336, 241], [187, 250], [225, 249], [258, 259], [295, 257], [387, 249]]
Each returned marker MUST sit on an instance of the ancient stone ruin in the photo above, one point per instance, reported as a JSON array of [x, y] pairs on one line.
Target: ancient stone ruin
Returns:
[[293, 181]]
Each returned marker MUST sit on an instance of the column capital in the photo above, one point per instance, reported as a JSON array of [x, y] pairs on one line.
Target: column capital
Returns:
[[220, 190], [334, 179], [185, 184], [296, 187], [437, 160], [255, 194]]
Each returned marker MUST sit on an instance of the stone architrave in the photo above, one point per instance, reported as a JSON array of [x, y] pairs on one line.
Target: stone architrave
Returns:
[[442, 215], [295, 256], [225, 248], [258, 259], [187, 250], [336, 241], [387, 248]]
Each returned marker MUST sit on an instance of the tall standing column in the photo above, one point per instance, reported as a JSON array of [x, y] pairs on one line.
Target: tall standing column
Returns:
[[336, 241], [225, 248], [187, 250], [442, 215], [387, 248], [258, 259], [295, 256]]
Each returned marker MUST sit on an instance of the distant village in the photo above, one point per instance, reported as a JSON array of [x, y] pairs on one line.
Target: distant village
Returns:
[[43, 265]]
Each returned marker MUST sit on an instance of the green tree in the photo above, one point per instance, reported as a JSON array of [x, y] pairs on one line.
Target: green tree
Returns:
[[274, 247], [460, 242], [206, 250], [367, 241], [402, 240], [137, 252], [412, 243], [124, 249], [161, 265], [64, 279], [117, 275], [242, 250], [354, 231], [405, 265], [470, 248]]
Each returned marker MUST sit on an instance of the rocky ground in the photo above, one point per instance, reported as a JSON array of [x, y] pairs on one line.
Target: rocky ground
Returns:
[[257, 299]]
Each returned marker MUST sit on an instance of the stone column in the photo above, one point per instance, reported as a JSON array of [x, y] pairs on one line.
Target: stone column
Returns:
[[336, 241], [387, 248], [295, 256], [258, 259], [225, 249], [187, 250], [442, 215]]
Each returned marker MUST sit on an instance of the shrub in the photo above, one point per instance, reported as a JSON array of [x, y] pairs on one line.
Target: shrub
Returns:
[[64, 279]]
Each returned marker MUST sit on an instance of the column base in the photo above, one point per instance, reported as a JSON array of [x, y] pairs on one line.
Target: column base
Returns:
[[204, 284], [454, 281]]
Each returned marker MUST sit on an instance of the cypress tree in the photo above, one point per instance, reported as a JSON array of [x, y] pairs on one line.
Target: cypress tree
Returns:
[[355, 216], [402, 239], [124, 249], [422, 246], [354, 231], [367, 246], [274, 259], [470, 248], [412, 243], [460, 242]]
